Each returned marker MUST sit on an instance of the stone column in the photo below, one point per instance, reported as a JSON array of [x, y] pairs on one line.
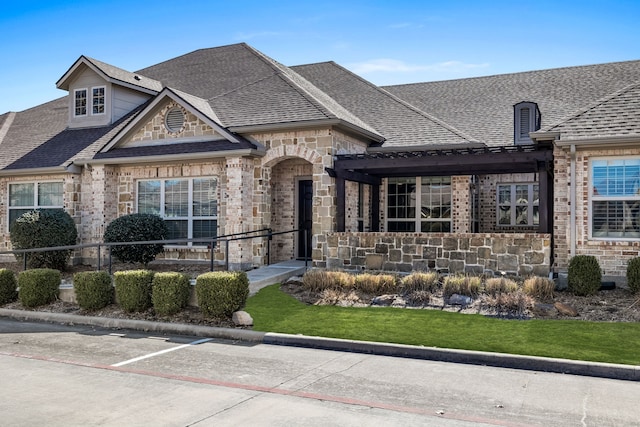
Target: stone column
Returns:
[[239, 210], [99, 206]]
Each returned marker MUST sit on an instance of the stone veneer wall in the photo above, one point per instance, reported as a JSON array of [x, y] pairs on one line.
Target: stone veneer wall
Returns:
[[522, 254], [613, 255]]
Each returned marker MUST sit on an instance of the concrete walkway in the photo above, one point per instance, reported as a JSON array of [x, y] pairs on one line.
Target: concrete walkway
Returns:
[[274, 273]]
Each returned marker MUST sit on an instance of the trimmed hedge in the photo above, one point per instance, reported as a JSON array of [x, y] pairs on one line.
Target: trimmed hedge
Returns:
[[38, 286], [93, 289], [133, 289], [220, 293], [8, 286], [584, 276], [44, 229], [170, 293], [136, 228]]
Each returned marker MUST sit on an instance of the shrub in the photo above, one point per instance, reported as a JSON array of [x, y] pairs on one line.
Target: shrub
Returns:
[[38, 286], [321, 280], [133, 289], [8, 286], [93, 289], [220, 293], [44, 229], [376, 283], [500, 285], [461, 285], [136, 228], [169, 293], [584, 276], [420, 281], [539, 287], [633, 275], [515, 303]]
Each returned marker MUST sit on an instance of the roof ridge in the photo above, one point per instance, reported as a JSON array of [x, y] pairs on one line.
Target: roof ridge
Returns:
[[4, 129], [290, 77], [406, 104], [595, 104]]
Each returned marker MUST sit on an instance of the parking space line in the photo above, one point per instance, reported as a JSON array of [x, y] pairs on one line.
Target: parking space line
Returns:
[[147, 356]]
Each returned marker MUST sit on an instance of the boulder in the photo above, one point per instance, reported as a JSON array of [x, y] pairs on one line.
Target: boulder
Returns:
[[565, 309], [242, 318], [543, 310], [456, 299], [383, 300]]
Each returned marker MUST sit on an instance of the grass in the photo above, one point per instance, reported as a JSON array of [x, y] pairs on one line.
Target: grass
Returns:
[[275, 311]]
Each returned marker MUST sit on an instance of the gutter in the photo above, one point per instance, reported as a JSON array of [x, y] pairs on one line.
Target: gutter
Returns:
[[603, 142], [171, 157], [72, 168]]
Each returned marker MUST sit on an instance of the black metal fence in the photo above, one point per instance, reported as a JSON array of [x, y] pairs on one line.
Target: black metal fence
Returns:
[[210, 242]]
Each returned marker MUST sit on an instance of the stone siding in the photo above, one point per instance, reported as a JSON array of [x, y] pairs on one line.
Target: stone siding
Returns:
[[520, 254]]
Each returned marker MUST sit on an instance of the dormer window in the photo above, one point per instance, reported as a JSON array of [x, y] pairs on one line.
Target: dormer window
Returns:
[[97, 97], [526, 119], [80, 102]]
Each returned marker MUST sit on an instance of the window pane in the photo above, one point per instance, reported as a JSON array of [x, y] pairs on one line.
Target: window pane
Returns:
[[21, 195], [522, 215], [98, 100], [401, 226], [204, 197], [504, 213], [618, 177], [15, 214], [504, 194], [80, 102], [616, 219], [178, 229], [402, 198], [149, 197], [50, 194], [176, 198], [205, 228], [522, 194], [435, 226]]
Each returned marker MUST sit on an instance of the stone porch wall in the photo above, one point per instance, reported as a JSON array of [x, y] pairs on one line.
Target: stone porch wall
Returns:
[[519, 254]]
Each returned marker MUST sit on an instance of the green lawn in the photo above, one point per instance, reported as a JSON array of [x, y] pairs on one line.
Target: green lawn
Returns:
[[275, 311]]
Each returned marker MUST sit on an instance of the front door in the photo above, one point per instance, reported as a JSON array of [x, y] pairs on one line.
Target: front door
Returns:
[[305, 209]]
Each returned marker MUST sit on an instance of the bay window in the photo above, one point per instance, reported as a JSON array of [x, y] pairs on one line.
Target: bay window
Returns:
[[188, 206]]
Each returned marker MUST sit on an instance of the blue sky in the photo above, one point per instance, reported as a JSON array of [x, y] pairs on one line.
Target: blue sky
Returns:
[[386, 42]]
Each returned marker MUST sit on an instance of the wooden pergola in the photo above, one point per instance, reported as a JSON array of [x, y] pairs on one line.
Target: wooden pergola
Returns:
[[371, 167]]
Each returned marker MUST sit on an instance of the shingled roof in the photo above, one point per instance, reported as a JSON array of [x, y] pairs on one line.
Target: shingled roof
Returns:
[[483, 106], [400, 123]]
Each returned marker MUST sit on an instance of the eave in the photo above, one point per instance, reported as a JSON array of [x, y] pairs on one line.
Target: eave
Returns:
[[54, 170], [171, 157]]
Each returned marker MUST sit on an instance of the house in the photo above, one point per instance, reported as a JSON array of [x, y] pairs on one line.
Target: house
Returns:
[[513, 173]]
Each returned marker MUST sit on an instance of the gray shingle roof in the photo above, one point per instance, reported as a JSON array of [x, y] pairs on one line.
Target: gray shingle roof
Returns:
[[483, 106], [400, 123]]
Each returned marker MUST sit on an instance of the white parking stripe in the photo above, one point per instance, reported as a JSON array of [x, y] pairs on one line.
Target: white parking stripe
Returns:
[[126, 362]]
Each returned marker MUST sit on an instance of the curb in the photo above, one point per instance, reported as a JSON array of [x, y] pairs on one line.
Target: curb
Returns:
[[498, 360]]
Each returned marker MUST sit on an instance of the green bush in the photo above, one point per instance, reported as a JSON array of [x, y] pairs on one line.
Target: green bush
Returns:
[[133, 289], [93, 289], [633, 275], [38, 286], [8, 286], [170, 293], [584, 276], [44, 229], [136, 228], [220, 293]]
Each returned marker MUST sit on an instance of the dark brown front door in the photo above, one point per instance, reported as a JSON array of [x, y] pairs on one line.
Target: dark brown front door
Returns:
[[305, 209]]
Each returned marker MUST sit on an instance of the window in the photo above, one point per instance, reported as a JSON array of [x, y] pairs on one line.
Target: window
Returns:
[[80, 102], [526, 119], [518, 204], [25, 197], [188, 206], [97, 96], [615, 198], [433, 200]]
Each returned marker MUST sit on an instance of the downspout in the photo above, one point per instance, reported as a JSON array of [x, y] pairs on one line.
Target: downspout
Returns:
[[572, 200]]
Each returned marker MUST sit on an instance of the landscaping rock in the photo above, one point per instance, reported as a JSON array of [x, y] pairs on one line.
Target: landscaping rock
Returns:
[[456, 299], [565, 310], [242, 318], [385, 300], [543, 310]]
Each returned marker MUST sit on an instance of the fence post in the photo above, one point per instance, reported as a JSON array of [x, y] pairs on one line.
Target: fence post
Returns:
[[99, 257], [269, 238], [110, 260], [306, 246], [226, 255], [211, 255], [24, 261]]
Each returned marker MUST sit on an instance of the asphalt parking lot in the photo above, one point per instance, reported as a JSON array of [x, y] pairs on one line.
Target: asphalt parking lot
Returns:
[[80, 375]]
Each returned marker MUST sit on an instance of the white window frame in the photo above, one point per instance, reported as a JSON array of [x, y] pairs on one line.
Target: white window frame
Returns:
[[104, 100], [189, 218], [513, 204], [631, 235], [34, 205], [86, 102], [417, 218]]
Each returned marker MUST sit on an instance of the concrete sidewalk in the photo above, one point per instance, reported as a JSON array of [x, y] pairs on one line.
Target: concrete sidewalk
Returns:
[[274, 273]]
